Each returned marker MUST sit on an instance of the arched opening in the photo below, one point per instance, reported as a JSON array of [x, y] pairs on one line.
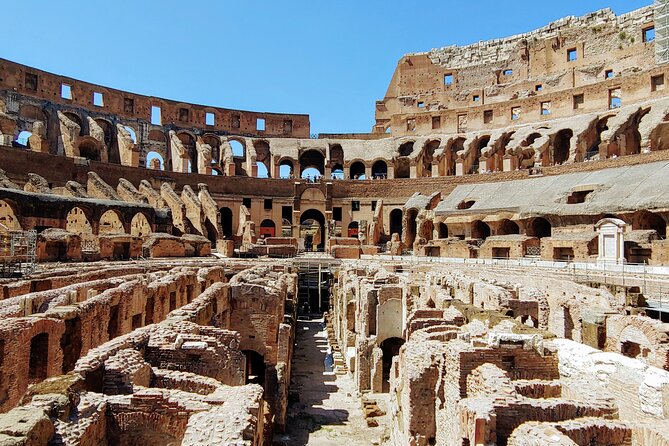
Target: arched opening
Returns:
[[425, 162], [402, 167], [312, 159], [353, 229], [110, 223], [255, 368], [267, 228], [39, 358], [286, 228], [140, 226], [22, 141], [450, 155], [226, 222], [311, 173], [338, 172], [406, 148], [539, 227], [562, 146], [191, 154], [474, 157], [154, 161], [8, 217], [263, 158], [396, 222], [442, 230], [77, 222], [508, 227], [650, 221], [89, 149], [312, 229], [107, 128], [238, 149], [357, 171], [480, 230], [133, 135], [412, 214], [390, 348], [286, 169], [380, 170]]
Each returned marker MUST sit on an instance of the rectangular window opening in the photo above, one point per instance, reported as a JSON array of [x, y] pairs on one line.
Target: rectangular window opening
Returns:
[[156, 118], [287, 127], [657, 82], [572, 55], [129, 105], [448, 79], [508, 72], [579, 100], [31, 82], [246, 202], [235, 121], [336, 213], [267, 204], [374, 205], [615, 98], [487, 116], [476, 98], [98, 99], [608, 74], [66, 91], [538, 88], [545, 108], [355, 205], [184, 115], [411, 125], [209, 119], [515, 113], [260, 125], [436, 122], [649, 34]]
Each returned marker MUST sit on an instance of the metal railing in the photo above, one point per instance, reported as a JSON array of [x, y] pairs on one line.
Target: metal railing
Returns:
[[18, 252]]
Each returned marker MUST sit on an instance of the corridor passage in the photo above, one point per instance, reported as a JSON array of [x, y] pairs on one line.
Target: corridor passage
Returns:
[[328, 412]]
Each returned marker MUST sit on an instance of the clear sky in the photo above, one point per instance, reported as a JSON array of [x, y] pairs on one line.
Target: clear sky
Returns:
[[329, 59]]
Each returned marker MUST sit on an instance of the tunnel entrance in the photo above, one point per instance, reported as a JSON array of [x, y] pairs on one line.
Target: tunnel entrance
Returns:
[[390, 348], [255, 368]]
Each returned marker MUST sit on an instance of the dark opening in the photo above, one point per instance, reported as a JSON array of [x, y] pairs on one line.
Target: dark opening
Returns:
[[411, 227], [148, 311], [113, 326], [357, 171], [443, 230], [508, 227], [173, 300], [396, 222], [406, 149], [380, 170], [39, 358], [480, 230], [255, 368], [136, 321], [562, 146], [391, 348], [539, 227], [226, 222], [70, 343], [578, 196]]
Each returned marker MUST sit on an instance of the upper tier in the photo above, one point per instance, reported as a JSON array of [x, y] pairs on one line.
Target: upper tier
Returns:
[[572, 66], [137, 108]]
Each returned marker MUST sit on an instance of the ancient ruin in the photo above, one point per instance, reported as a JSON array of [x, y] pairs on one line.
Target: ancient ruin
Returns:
[[488, 266]]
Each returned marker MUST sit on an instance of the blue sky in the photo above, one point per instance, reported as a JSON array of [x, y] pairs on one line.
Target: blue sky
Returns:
[[330, 59]]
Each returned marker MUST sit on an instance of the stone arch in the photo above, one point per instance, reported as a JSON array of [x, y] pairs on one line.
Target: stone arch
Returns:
[[238, 146], [390, 348], [650, 220], [311, 217], [140, 226], [480, 230], [380, 169], [263, 156], [314, 159], [108, 129], [424, 165], [8, 218], [508, 227], [77, 222], [406, 148], [90, 148], [539, 227], [562, 146], [472, 161], [155, 161], [357, 170], [442, 230], [110, 223], [447, 164], [22, 139], [267, 228], [188, 141], [410, 228], [336, 155], [286, 168]]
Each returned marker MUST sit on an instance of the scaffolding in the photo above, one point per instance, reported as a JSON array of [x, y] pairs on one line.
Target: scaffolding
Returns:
[[661, 13], [18, 252]]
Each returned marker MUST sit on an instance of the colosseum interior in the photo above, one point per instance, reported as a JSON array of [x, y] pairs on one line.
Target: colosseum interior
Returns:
[[488, 266]]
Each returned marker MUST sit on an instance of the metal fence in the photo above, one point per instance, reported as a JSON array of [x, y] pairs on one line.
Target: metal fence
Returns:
[[18, 253]]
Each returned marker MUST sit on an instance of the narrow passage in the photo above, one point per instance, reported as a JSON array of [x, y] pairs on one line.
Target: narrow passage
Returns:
[[328, 412]]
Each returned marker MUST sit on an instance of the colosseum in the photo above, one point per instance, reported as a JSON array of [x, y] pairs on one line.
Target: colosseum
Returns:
[[489, 265]]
